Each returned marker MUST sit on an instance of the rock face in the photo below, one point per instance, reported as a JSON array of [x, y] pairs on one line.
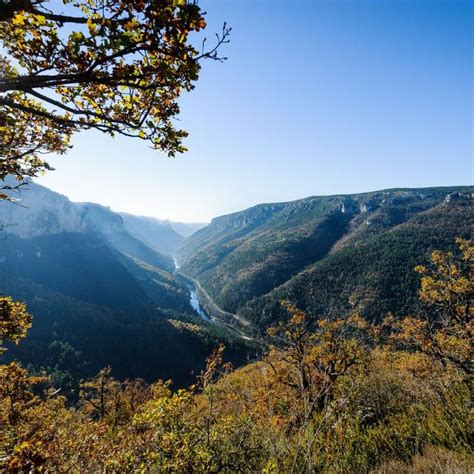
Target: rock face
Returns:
[[101, 219], [456, 196], [250, 218], [39, 211]]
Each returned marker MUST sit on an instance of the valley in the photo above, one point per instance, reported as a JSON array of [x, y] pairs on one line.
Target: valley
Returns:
[[96, 280], [236, 237], [206, 307], [254, 318], [93, 285], [329, 255]]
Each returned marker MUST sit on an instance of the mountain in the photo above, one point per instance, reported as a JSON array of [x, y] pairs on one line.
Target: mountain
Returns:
[[329, 254], [40, 211], [99, 295], [161, 235], [112, 228], [103, 290], [185, 228], [158, 235]]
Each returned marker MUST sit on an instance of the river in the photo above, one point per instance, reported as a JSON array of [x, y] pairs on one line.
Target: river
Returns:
[[216, 315], [193, 298]]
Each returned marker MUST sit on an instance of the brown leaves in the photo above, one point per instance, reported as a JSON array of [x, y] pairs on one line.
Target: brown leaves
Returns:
[[21, 447], [310, 359], [447, 289], [14, 320]]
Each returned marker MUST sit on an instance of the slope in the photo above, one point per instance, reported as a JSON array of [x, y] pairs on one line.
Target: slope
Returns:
[[244, 256]]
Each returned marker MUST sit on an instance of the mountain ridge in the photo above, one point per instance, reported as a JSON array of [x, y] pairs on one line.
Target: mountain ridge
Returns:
[[244, 256]]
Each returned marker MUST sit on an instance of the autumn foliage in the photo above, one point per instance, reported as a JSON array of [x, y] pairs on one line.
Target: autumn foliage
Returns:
[[117, 67], [339, 395], [14, 321], [446, 331]]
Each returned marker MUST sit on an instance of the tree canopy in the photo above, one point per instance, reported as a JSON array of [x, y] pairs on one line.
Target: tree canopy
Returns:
[[118, 67], [14, 321]]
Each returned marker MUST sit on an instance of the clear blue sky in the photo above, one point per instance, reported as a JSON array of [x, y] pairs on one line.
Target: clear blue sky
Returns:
[[317, 97]]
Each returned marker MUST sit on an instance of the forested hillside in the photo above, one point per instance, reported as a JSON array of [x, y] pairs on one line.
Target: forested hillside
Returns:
[[329, 255], [327, 335]]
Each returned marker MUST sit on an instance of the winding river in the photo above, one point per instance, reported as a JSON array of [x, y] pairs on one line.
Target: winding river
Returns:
[[193, 298], [212, 312]]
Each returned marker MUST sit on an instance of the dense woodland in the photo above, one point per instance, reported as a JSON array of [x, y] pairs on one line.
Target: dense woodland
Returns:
[[339, 395], [371, 276]]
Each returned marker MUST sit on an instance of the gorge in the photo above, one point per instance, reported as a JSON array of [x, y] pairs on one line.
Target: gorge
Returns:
[[95, 279]]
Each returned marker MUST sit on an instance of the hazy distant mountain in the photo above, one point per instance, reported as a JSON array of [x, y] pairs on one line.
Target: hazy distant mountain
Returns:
[[157, 234], [42, 212], [186, 229], [162, 235], [331, 254], [112, 228]]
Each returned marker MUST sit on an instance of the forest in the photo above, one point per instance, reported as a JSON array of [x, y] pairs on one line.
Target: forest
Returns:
[[338, 395]]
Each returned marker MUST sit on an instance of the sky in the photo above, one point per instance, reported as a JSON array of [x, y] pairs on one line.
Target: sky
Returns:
[[316, 98]]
